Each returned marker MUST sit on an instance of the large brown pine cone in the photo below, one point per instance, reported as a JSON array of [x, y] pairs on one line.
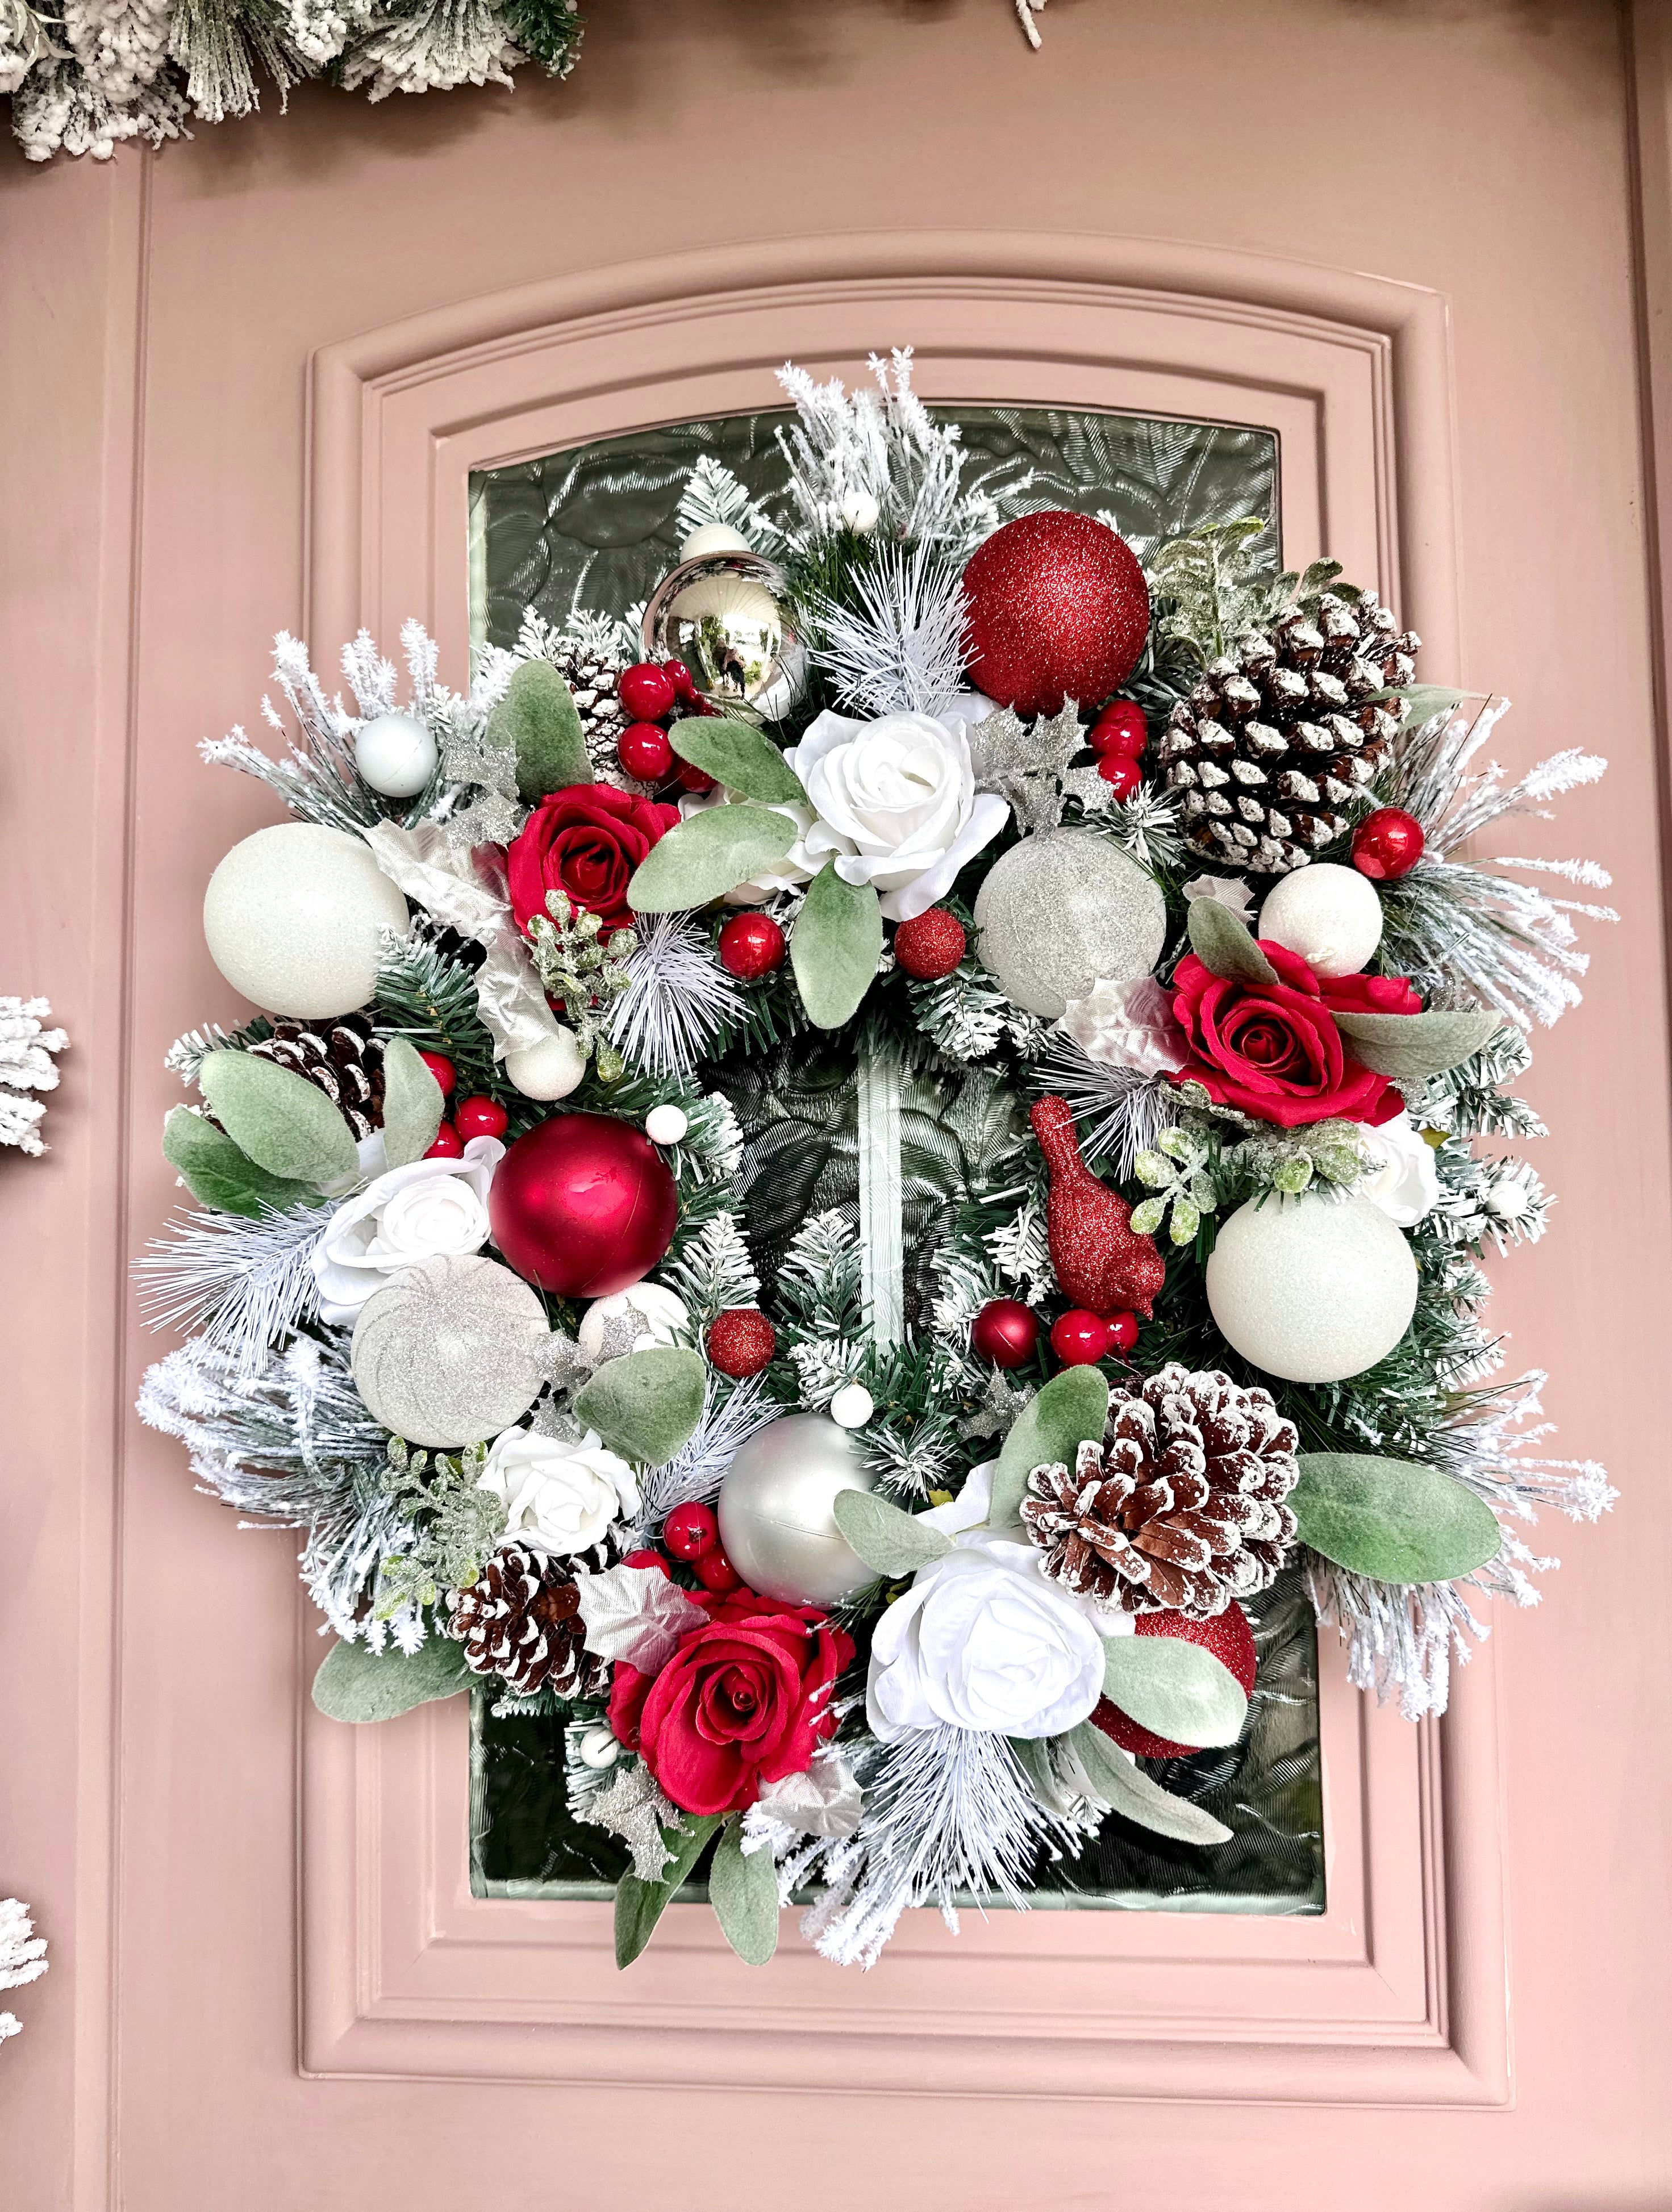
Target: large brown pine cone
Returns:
[[520, 1619], [1283, 731], [590, 676], [1179, 1509], [343, 1058]]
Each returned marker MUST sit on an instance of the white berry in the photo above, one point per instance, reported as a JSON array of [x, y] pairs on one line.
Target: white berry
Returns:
[[852, 1407], [666, 1125]]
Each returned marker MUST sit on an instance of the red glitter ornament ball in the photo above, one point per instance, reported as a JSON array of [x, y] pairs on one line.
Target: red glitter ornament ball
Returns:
[[442, 1069], [715, 1571], [448, 1144], [643, 751], [751, 945], [931, 945], [1387, 844], [583, 1205], [741, 1341], [1080, 1338], [1123, 1332], [1121, 728], [1121, 773], [1227, 1636], [1004, 1332], [1058, 609], [646, 691], [691, 1530], [480, 1117]]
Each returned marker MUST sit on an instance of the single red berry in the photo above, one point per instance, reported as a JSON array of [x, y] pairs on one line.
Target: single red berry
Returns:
[[741, 1341], [680, 678], [1080, 1338], [442, 1069], [715, 1571], [751, 945], [1227, 1636], [1123, 1331], [930, 945], [1121, 728], [643, 751], [1387, 844], [1122, 774], [691, 1530], [480, 1117], [646, 690], [690, 777], [647, 1559], [448, 1144], [1006, 1332]]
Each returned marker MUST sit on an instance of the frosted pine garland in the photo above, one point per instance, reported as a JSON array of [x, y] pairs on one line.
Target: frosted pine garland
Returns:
[[245, 1284], [23, 1956], [27, 1050]]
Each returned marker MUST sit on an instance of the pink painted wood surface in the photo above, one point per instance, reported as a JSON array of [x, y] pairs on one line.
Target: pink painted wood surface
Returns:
[[173, 1811]]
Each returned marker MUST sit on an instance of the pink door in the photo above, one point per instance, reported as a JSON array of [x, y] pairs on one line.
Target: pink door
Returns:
[[248, 385]]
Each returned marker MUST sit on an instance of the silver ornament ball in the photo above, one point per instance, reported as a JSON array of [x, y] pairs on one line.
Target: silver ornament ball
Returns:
[[451, 1353], [776, 1518], [722, 614], [1312, 1288], [294, 918], [1063, 911]]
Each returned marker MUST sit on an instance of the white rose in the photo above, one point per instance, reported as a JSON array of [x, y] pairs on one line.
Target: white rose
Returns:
[[1404, 1182], [432, 1209], [630, 1321], [558, 1497]]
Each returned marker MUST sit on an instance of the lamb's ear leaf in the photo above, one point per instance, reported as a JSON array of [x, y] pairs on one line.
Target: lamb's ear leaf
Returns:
[[738, 756], [217, 1174], [1405, 1048], [835, 947], [1422, 701], [708, 854], [1392, 1519], [645, 1404], [891, 1541], [412, 1103], [538, 721], [1175, 1689], [743, 1889], [281, 1120], [640, 1904], [1225, 944], [1070, 1410], [1126, 1790], [354, 1683]]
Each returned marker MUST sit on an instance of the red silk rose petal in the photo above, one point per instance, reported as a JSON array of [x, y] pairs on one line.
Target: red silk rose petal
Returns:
[[1273, 1050], [585, 840]]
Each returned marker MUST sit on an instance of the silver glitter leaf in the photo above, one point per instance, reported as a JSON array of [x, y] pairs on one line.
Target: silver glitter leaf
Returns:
[[634, 1808], [1025, 766]]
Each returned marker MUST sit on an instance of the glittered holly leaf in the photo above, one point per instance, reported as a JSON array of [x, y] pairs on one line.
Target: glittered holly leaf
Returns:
[[738, 757], [1050, 1429], [835, 947], [1175, 1689], [641, 1904], [889, 1541], [743, 1892], [1116, 1783], [217, 1174], [1226, 945], [1392, 1519], [1406, 1047], [709, 854], [356, 1683], [283, 1123], [412, 1103], [536, 723], [644, 1405]]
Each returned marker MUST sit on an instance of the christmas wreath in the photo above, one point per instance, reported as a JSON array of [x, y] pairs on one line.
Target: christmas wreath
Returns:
[[839, 1174]]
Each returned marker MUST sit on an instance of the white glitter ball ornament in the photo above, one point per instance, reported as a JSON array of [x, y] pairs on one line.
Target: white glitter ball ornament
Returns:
[[452, 1353], [1063, 911], [1331, 916], [294, 918], [1311, 1289], [666, 1125], [549, 1069], [396, 755], [776, 1521]]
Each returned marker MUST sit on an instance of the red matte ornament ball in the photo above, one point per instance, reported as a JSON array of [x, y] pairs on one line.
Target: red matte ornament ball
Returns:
[[1006, 1332], [1058, 609], [691, 1530], [715, 1571], [741, 1342], [690, 777], [1387, 844], [1080, 1338], [646, 691], [930, 945], [584, 1205], [480, 1117], [448, 1144], [1121, 773], [442, 1069], [643, 751], [1121, 728], [751, 945], [1227, 1636], [1123, 1332]]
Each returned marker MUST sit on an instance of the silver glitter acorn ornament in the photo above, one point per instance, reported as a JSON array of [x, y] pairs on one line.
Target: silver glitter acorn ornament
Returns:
[[1063, 911], [452, 1353], [722, 614], [775, 1519]]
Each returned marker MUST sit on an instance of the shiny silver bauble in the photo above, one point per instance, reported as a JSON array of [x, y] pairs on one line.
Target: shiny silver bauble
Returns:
[[776, 1521], [722, 614]]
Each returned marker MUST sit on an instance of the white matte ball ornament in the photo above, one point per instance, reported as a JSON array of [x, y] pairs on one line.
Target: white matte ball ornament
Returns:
[[1311, 1289], [549, 1069], [1063, 911], [452, 1353], [775, 1520], [1331, 916], [396, 755], [852, 1407], [666, 1125], [294, 918]]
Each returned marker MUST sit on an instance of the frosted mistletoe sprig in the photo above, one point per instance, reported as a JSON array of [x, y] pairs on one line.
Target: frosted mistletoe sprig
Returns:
[[1180, 1172], [587, 971]]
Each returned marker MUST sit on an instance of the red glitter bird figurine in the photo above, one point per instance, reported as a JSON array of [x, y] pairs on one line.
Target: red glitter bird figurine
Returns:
[[1101, 1262]]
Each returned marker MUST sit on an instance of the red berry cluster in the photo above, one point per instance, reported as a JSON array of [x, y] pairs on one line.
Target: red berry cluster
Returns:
[[1007, 1333], [651, 691], [471, 1117], [1118, 738]]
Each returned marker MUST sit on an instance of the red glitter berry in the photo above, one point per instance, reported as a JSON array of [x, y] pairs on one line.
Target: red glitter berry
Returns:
[[741, 1341], [691, 1530], [1080, 1338], [643, 751], [1121, 728], [931, 945], [442, 1069], [1120, 773], [448, 1144], [480, 1117], [715, 1571], [646, 690], [751, 945]]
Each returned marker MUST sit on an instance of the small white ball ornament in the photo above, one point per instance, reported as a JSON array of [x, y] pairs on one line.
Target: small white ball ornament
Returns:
[[1311, 1289], [548, 1070], [666, 1125], [396, 755], [775, 1519], [1063, 911], [852, 1407], [294, 918], [1331, 916]]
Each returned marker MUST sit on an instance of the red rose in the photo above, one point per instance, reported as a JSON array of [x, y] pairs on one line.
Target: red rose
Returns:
[[744, 1701], [584, 841], [1273, 1051]]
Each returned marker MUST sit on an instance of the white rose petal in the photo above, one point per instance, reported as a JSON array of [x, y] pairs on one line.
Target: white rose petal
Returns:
[[1405, 1182], [432, 1209], [558, 1497]]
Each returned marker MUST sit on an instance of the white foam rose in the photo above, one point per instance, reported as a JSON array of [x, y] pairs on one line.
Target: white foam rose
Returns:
[[559, 1498], [1405, 1181], [430, 1210], [632, 1320]]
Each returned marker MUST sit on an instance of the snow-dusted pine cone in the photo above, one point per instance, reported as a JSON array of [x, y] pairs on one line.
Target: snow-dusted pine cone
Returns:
[[1282, 731], [1179, 1509], [520, 1619], [342, 1058], [591, 675]]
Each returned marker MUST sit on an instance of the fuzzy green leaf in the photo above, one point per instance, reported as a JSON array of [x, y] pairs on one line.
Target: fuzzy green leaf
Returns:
[[645, 1404], [835, 947], [708, 854], [1391, 1519], [1050, 1429], [538, 721], [217, 1174], [1226, 945], [354, 1683], [283, 1123], [641, 1904], [1126, 1790], [1422, 702], [743, 1892], [740, 756], [892, 1541], [1175, 1689], [1407, 1046], [412, 1103]]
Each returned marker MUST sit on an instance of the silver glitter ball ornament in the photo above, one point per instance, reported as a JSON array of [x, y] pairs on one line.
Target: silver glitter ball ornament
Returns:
[[776, 1523], [452, 1353], [722, 614], [1063, 911]]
